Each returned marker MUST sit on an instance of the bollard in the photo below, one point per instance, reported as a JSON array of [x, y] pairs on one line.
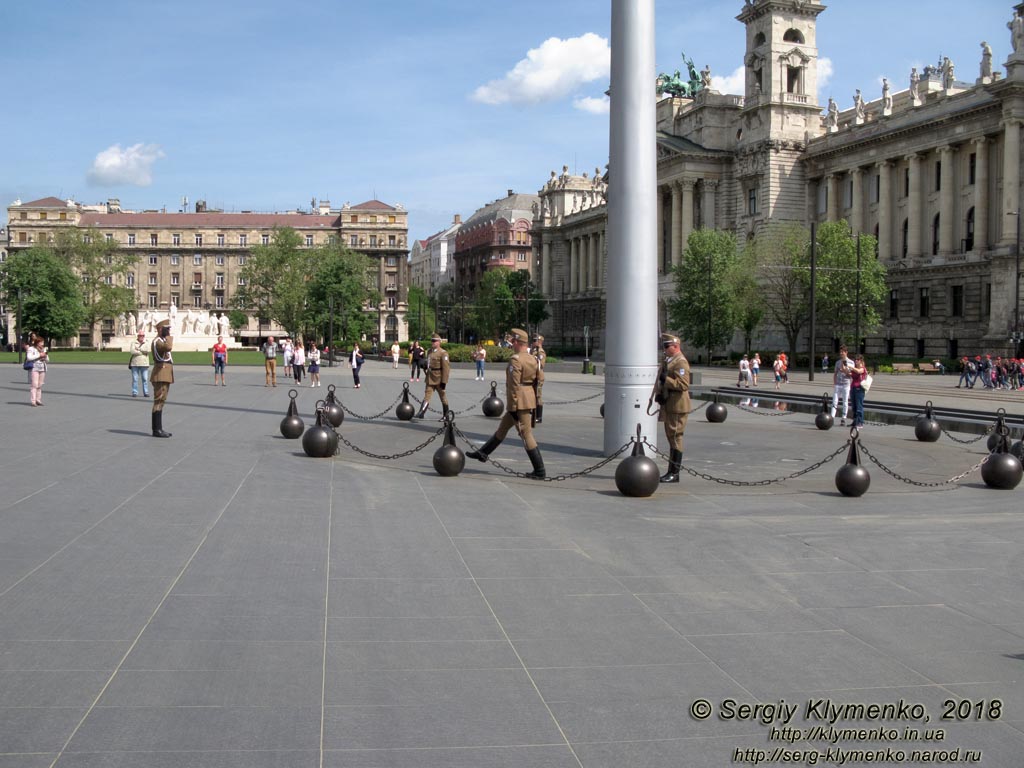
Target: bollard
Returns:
[[1002, 469], [853, 479], [716, 412], [333, 411], [292, 424], [637, 475], [448, 459], [926, 428], [492, 405], [405, 409], [824, 418], [320, 441], [993, 440]]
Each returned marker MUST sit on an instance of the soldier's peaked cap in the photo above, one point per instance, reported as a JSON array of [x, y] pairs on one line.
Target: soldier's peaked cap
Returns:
[[520, 335], [668, 338]]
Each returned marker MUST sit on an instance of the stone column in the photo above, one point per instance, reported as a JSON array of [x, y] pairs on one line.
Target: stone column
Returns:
[[1011, 181], [947, 201], [545, 259], [857, 203], [661, 230], [885, 249], [832, 201], [981, 194], [687, 209], [584, 251], [602, 260], [574, 267], [677, 221], [914, 208], [708, 203], [595, 261]]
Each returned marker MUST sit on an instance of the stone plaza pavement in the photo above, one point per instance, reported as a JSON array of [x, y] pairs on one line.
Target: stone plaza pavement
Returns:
[[220, 600]]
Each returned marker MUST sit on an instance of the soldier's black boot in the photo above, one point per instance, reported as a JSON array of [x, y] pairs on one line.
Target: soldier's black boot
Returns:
[[445, 413], [538, 464], [158, 425], [423, 410], [675, 458], [481, 454], [539, 414]]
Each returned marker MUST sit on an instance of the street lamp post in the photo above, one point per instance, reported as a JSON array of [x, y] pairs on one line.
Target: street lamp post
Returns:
[[1016, 336], [710, 263], [814, 301], [857, 308]]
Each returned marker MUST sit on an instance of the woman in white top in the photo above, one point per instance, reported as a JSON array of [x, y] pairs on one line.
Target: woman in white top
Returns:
[[37, 355], [298, 362], [314, 365]]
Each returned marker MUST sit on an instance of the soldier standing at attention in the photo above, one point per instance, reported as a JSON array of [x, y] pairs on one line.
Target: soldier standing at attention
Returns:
[[438, 370], [672, 393], [521, 399], [541, 355], [162, 376]]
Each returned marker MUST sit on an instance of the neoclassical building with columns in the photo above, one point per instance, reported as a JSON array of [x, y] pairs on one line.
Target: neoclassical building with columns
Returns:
[[930, 167]]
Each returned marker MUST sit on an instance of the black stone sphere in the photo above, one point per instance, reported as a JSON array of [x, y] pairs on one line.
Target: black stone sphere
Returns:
[[602, 410], [405, 411], [291, 427], [1018, 449], [852, 480], [333, 437], [716, 413], [824, 421], [493, 407], [449, 461], [993, 441], [317, 442], [637, 476], [1002, 471], [927, 430], [334, 414]]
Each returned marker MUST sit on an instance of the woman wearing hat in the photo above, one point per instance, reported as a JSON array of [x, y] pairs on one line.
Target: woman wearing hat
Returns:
[[138, 363]]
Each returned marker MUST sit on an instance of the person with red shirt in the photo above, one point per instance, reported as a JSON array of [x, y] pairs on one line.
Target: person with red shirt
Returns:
[[219, 359]]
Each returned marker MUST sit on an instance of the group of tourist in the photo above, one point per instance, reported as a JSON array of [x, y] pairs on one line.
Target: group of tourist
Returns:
[[295, 358], [998, 373]]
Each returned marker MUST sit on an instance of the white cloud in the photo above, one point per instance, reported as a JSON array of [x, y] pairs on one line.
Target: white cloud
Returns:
[[133, 166], [825, 74], [596, 106], [552, 71], [734, 83]]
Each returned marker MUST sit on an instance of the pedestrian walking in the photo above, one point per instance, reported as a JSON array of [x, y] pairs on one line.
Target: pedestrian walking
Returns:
[[314, 365], [298, 362], [356, 360], [37, 360], [220, 360], [269, 350], [138, 363]]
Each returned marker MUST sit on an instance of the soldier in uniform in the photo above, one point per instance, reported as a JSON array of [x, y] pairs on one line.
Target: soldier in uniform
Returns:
[[541, 355], [162, 376], [672, 393], [521, 400], [438, 370]]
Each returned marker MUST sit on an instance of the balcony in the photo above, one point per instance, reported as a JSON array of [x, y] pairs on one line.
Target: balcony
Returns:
[[197, 286], [796, 98]]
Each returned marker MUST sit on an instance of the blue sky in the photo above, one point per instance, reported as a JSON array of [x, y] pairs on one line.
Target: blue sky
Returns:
[[440, 106]]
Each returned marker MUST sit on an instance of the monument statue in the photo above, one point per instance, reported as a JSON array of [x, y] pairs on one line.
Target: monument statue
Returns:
[[675, 85], [886, 96], [1016, 27], [947, 73], [705, 76], [172, 314], [122, 325], [858, 105], [832, 115], [131, 324], [986, 59], [225, 325], [188, 322]]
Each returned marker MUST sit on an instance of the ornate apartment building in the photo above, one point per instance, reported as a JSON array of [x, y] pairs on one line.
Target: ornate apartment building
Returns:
[[195, 259], [933, 171], [496, 235]]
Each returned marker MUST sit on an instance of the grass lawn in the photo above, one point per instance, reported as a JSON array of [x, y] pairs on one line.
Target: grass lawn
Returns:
[[112, 357]]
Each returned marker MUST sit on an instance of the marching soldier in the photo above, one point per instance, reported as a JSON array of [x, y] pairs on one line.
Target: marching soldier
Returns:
[[541, 355], [521, 399], [438, 370], [672, 393], [163, 374]]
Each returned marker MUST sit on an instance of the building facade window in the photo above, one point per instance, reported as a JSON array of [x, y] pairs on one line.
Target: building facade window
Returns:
[[175, 278], [175, 259], [154, 240], [129, 279], [905, 237], [241, 261], [956, 300], [175, 239], [220, 260], [894, 304], [923, 302], [391, 302], [969, 231], [220, 240], [152, 259], [109, 237], [752, 201], [938, 175], [152, 278], [219, 301], [935, 234], [265, 239], [972, 168], [197, 259], [241, 280], [218, 280], [199, 239], [131, 239], [353, 240], [309, 241], [152, 301], [243, 240]]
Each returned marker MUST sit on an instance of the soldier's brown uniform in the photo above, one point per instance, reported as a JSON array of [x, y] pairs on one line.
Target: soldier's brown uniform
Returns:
[[161, 378], [672, 393], [539, 353], [438, 370], [520, 404]]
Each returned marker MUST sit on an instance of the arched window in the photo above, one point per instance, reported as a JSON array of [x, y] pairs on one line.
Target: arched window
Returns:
[[935, 234], [906, 236], [969, 231], [759, 39], [794, 36]]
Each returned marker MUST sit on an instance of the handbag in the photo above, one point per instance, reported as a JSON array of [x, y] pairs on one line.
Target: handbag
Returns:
[[866, 382], [28, 365]]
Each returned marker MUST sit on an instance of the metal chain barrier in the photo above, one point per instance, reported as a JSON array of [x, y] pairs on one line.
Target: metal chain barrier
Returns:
[[573, 402], [698, 408], [355, 415], [955, 439], [918, 483], [431, 408], [556, 478], [753, 483], [410, 452], [763, 412]]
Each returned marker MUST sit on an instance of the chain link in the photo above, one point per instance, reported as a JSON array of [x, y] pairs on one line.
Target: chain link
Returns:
[[402, 455], [556, 478], [457, 413], [753, 483], [762, 412], [982, 436], [355, 415], [918, 483], [573, 402]]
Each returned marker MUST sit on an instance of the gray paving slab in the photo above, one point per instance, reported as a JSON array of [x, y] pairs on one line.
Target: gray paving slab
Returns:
[[220, 599]]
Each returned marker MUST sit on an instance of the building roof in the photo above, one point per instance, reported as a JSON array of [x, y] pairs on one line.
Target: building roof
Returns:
[[681, 145], [209, 220], [372, 205], [515, 206], [45, 202]]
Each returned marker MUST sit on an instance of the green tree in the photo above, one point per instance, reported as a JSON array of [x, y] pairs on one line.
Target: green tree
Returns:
[[46, 289], [749, 303], [705, 308], [535, 310], [275, 280], [782, 255], [836, 281], [494, 306], [422, 313], [102, 268], [346, 281]]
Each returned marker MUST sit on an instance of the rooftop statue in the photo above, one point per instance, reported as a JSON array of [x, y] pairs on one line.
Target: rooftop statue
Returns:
[[675, 85]]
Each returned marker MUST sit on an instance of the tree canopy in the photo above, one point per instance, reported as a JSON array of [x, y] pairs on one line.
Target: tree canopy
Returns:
[[46, 289]]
